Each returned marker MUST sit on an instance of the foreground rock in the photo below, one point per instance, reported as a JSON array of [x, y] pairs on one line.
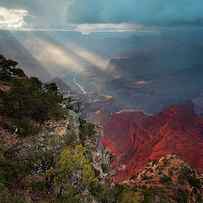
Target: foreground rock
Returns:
[[171, 179]]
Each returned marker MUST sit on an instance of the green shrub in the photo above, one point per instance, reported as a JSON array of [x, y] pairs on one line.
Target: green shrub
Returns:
[[130, 197], [73, 159], [87, 130], [69, 199], [148, 196], [38, 186], [7, 197], [23, 127], [182, 197], [165, 179], [105, 194], [190, 176], [28, 99], [195, 182]]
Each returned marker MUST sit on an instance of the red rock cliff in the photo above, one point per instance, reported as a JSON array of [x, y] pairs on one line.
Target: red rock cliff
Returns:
[[135, 138]]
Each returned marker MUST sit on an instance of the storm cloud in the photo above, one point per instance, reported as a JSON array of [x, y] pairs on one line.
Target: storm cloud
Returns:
[[139, 11], [149, 12]]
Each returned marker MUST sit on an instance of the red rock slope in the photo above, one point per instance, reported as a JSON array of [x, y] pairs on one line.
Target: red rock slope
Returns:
[[135, 139]]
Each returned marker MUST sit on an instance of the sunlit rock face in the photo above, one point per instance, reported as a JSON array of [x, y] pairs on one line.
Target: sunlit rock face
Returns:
[[135, 139]]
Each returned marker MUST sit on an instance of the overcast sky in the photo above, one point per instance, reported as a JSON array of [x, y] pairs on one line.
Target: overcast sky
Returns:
[[60, 13]]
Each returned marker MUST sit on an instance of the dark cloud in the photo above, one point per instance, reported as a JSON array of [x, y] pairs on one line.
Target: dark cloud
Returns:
[[141, 11], [62, 12]]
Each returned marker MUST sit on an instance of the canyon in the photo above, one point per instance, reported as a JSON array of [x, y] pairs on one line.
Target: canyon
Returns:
[[134, 139]]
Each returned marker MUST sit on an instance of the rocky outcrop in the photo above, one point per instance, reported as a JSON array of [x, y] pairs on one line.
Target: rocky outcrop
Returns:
[[172, 178], [135, 139]]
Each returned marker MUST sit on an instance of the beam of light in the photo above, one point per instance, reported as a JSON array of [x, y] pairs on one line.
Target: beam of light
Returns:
[[53, 56], [12, 18], [90, 57]]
